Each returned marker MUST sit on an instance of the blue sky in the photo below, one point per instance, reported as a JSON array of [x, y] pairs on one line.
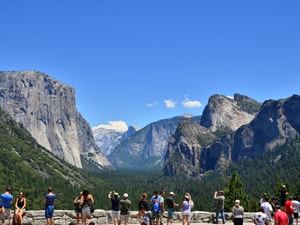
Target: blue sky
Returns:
[[142, 61]]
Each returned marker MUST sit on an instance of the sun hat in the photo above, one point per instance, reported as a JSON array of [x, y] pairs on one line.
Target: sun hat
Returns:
[[125, 195], [237, 201], [172, 193]]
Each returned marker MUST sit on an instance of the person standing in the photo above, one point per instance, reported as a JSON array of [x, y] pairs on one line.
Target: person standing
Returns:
[[125, 205], [280, 217], [238, 213], [7, 200], [156, 208], [170, 202], [289, 209], [191, 203], [296, 204], [78, 209], [260, 218], [49, 206], [143, 204], [283, 196], [185, 210], [20, 209], [268, 208], [273, 203], [115, 206], [220, 198], [86, 202]]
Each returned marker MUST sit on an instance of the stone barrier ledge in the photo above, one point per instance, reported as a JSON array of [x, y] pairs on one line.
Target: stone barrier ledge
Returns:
[[64, 217]]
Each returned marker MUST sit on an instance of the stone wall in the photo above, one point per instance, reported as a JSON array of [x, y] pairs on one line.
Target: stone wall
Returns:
[[64, 217]]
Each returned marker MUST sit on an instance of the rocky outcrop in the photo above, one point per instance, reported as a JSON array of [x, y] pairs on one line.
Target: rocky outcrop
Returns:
[[276, 121], [185, 149], [228, 114], [47, 110]]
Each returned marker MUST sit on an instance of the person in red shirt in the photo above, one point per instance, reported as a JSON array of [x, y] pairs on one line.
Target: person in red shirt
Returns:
[[280, 217], [289, 209]]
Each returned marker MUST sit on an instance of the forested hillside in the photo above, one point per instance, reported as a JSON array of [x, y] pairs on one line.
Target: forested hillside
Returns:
[[28, 167]]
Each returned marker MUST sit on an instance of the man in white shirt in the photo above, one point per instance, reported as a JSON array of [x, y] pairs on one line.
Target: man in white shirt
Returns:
[[267, 208]]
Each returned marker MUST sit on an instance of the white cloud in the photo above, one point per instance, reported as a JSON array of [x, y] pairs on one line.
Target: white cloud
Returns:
[[152, 104], [170, 103], [120, 126], [187, 103]]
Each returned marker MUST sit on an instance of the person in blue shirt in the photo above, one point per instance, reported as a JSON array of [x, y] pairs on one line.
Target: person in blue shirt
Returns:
[[49, 206], [7, 200], [157, 201]]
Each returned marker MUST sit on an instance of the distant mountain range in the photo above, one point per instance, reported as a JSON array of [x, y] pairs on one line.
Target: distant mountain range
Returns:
[[230, 129]]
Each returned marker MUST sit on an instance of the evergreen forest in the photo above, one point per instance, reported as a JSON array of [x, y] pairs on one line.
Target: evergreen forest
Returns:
[[28, 167]]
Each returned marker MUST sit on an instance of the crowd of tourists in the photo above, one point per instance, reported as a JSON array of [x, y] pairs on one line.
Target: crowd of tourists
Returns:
[[282, 211], [150, 211]]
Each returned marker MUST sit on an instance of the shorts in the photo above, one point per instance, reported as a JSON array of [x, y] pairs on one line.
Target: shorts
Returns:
[[78, 210], [6, 215], [115, 214], [86, 211], [49, 211], [156, 215], [124, 218], [185, 213], [170, 213], [296, 215]]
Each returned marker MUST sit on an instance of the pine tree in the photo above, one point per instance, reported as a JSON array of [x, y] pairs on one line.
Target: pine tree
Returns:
[[233, 191]]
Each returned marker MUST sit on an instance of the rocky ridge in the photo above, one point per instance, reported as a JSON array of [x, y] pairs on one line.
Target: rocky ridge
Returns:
[[274, 123]]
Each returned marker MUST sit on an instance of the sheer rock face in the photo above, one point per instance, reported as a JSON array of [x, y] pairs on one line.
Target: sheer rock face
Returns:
[[47, 109], [195, 147], [226, 113], [276, 121]]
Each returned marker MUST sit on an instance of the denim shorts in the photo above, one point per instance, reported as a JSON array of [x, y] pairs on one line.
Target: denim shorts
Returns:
[[49, 211]]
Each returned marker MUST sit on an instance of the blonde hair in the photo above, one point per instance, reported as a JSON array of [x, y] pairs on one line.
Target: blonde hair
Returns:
[[189, 195]]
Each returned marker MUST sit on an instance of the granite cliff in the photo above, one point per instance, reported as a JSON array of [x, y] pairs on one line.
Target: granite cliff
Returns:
[[47, 110], [194, 150]]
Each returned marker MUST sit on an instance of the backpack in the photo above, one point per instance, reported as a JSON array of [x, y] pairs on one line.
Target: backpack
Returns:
[[156, 207]]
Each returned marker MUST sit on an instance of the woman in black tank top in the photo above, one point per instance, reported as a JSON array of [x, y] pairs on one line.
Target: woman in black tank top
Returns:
[[20, 209]]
